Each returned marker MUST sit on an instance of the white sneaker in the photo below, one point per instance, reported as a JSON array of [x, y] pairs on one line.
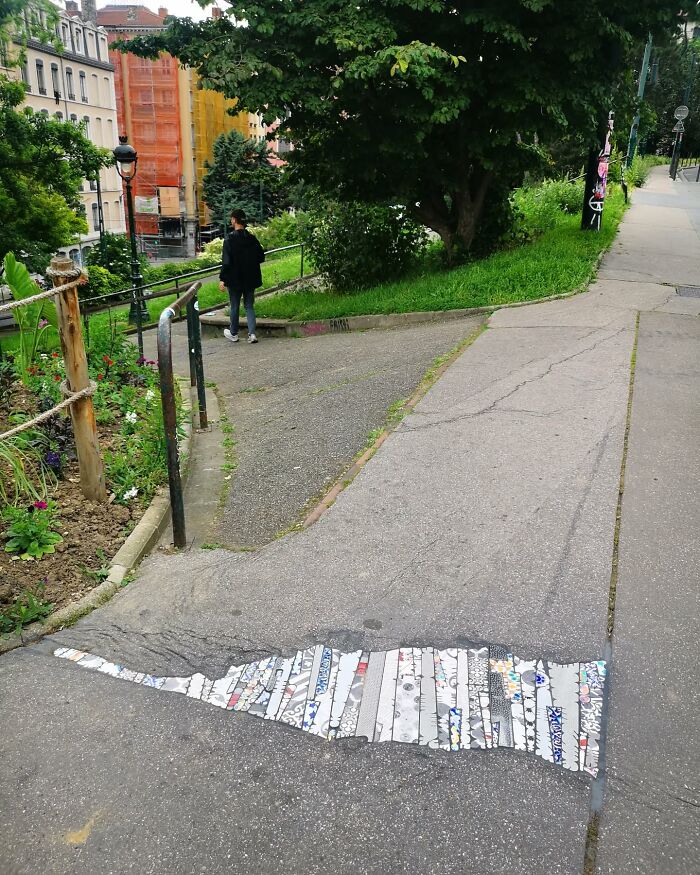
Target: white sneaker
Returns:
[[232, 337], [251, 338]]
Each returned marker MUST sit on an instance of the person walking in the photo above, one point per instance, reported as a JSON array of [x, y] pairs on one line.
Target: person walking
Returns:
[[240, 274]]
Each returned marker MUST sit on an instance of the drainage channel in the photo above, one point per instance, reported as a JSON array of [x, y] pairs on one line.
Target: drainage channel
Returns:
[[598, 787]]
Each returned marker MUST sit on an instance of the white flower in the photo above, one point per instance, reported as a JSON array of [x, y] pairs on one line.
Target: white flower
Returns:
[[130, 493], [131, 417], [44, 355], [150, 395]]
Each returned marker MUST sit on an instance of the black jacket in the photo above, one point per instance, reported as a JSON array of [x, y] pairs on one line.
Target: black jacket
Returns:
[[241, 260]]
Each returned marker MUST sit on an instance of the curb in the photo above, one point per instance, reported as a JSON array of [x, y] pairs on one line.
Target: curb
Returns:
[[349, 475], [421, 390], [212, 323], [138, 544]]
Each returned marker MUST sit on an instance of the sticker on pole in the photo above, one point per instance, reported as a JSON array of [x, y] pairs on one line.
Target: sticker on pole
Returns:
[[681, 112]]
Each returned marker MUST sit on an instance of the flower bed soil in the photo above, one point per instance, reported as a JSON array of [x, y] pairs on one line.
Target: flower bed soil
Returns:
[[92, 532]]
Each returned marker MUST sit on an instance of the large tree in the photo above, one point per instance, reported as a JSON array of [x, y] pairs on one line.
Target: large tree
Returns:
[[432, 104], [42, 161], [42, 166], [240, 176]]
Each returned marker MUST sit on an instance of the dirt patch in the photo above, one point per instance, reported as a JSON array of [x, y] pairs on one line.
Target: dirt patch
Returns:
[[92, 533]]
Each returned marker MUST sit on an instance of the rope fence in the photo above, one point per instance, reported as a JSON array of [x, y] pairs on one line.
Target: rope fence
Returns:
[[32, 299], [71, 398], [65, 295]]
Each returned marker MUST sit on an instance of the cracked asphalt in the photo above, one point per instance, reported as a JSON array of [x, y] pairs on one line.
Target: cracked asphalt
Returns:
[[488, 515]]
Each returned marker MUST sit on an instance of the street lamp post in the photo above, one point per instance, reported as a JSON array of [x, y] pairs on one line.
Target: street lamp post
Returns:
[[126, 158]]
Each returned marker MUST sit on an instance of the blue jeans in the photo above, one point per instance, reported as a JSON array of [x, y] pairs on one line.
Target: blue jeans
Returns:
[[248, 301]]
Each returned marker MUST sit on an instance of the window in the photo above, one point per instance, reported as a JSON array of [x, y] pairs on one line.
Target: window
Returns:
[[86, 125], [92, 185], [75, 256], [70, 85], [83, 88], [25, 76], [74, 118], [98, 131], [107, 215], [44, 112], [95, 89], [55, 82], [40, 81], [79, 41], [95, 218], [108, 93], [4, 56], [58, 116], [90, 45], [64, 36]]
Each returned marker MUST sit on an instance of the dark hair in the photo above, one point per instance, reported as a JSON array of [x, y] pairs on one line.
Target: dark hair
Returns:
[[239, 216]]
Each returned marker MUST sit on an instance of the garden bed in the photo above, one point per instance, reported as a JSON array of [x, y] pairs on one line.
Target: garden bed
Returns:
[[40, 481]]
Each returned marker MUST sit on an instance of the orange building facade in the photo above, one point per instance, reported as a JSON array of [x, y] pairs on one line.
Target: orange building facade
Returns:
[[148, 112]]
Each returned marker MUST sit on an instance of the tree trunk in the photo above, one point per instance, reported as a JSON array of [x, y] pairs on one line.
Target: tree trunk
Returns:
[[457, 224]]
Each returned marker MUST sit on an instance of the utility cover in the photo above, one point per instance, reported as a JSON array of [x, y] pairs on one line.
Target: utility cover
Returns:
[[688, 291]]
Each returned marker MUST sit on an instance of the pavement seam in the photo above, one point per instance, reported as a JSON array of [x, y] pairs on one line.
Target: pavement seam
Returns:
[[427, 381], [598, 786]]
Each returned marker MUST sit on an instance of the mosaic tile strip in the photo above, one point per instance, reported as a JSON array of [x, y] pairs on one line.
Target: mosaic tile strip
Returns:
[[473, 697]]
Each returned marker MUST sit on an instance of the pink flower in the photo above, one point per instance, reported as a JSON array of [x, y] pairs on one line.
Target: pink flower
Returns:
[[40, 505]]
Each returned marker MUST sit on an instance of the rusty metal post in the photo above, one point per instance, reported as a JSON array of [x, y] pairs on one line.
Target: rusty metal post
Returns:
[[92, 479], [167, 396]]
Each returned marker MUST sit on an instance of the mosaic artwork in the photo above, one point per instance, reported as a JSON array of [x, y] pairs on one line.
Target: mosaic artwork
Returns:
[[477, 698]]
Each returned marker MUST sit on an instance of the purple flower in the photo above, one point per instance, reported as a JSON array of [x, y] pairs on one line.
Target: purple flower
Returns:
[[53, 459], [40, 505], [43, 323]]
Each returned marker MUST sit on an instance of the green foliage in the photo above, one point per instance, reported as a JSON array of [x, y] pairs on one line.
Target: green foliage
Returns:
[[113, 253], [676, 67], [39, 190], [33, 319], [282, 230], [418, 102], [214, 250], [101, 282], [26, 608], [538, 205], [558, 261], [171, 269], [30, 532], [355, 245], [20, 471], [239, 173]]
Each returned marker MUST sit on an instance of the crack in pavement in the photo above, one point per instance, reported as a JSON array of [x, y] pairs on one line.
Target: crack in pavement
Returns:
[[405, 429]]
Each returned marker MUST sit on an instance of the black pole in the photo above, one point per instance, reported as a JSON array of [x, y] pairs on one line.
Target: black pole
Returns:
[[138, 305], [100, 214], [596, 180], [196, 363], [167, 397]]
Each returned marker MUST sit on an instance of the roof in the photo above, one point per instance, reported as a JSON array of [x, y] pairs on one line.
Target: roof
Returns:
[[128, 16]]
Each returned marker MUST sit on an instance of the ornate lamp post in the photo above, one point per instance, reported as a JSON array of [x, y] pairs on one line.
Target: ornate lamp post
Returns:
[[126, 158]]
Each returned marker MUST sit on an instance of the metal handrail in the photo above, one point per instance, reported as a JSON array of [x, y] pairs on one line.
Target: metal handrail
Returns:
[[167, 395], [201, 272]]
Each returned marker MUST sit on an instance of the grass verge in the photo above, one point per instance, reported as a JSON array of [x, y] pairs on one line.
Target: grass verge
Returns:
[[561, 260]]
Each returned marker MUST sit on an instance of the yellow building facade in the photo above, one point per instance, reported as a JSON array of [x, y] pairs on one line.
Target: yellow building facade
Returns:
[[210, 118]]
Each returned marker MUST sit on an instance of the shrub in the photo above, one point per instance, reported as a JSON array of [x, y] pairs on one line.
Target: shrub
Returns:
[[101, 282], [282, 230], [356, 245], [113, 253]]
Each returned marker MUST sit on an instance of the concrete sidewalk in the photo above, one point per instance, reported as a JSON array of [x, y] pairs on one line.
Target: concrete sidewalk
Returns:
[[489, 515]]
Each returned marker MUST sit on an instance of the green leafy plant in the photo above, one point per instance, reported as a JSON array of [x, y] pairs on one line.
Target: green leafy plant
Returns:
[[26, 608], [32, 319], [355, 245], [20, 471], [30, 532]]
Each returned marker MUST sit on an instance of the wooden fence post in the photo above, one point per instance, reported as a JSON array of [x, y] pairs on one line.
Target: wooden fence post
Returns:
[[70, 332]]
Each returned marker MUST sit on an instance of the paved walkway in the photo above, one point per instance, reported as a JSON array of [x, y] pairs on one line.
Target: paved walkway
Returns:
[[489, 515]]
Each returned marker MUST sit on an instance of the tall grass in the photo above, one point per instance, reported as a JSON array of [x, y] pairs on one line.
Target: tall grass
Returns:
[[560, 260]]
